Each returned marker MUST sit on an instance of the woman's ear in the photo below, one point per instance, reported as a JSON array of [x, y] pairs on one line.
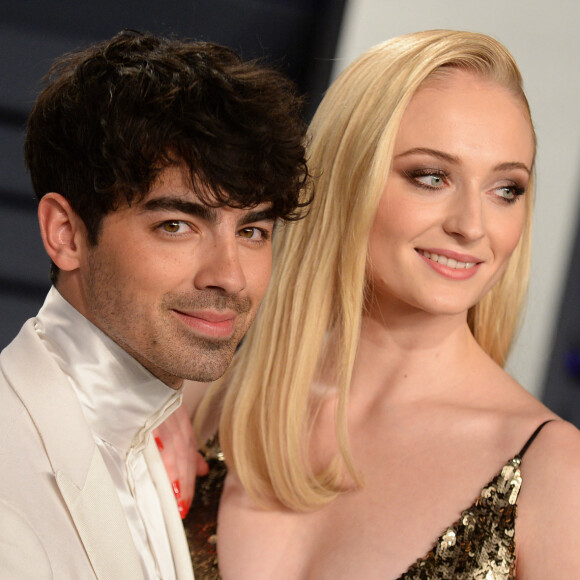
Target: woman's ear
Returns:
[[62, 230]]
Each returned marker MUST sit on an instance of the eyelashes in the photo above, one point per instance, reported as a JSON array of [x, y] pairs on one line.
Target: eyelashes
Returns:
[[255, 234], [433, 179], [512, 192], [428, 178], [181, 229], [174, 227]]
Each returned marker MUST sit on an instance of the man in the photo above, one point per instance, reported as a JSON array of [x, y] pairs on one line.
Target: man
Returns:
[[161, 167]]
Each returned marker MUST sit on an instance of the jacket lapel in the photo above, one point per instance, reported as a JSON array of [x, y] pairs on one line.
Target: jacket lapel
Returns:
[[100, 522], [80, 472]]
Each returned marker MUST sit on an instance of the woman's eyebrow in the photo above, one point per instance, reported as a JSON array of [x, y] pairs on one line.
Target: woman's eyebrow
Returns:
[[453, 159], [513, 165], [428, 151]]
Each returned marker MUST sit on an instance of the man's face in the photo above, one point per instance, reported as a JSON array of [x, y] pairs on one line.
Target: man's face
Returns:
[[177, 283]]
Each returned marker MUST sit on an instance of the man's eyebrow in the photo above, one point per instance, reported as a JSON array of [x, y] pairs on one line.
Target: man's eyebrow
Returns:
[[258, 216], [200, 210], [205, 212]]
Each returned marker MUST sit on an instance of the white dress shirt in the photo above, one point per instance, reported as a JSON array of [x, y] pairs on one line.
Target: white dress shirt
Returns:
[[122, 402]]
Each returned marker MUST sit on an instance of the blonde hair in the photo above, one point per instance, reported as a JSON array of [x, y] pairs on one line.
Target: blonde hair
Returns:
[[319, 280]]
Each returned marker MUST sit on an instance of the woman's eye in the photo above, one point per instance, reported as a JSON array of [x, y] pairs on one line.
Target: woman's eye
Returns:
[[430, 180], [510, 192], [173, 226], [507, 193]]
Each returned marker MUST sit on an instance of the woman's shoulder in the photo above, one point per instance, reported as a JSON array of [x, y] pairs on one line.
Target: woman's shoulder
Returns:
[[549, 504], [554, 455], [512, 410]]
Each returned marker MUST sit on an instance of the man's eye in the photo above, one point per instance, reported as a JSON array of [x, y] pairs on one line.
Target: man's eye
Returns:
[[173, 227], [252, 233]]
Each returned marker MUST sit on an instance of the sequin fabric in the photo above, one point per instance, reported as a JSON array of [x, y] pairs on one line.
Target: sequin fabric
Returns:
[[479, 546], [201, 521]]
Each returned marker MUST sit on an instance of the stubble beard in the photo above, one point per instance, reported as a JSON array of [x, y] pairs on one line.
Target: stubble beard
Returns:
[[206, 358], [196, 358], [154, 336]]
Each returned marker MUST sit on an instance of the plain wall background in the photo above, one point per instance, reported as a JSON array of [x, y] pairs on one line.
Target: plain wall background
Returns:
[[543, 37]]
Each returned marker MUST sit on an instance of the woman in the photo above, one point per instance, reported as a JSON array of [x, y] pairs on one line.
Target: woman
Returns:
[[368, 409]]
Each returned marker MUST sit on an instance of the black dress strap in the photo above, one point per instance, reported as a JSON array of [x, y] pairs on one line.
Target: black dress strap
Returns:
[[531, 439]]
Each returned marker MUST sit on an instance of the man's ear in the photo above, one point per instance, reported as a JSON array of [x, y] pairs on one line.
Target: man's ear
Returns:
[[62, 230]]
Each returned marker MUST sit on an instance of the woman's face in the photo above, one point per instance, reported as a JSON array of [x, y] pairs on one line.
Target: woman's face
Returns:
[[453, 209]]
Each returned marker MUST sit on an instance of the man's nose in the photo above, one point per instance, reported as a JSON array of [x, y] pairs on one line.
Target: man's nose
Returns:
[[220, 266]]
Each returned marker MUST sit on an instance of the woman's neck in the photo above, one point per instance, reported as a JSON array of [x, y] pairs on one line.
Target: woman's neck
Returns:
[[413, 355]]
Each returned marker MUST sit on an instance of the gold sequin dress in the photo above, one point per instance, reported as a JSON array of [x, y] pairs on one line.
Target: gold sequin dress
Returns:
[[480, 545]]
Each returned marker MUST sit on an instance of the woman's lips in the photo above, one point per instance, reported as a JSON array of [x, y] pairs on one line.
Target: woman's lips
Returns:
[[456, 261], [451, 264]]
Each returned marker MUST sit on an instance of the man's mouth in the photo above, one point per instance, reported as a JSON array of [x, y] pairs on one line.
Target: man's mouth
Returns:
[[212, 324]]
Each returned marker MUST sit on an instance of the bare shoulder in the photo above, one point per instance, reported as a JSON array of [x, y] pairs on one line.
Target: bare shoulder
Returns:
[[506, 393], [558, 439], [547, 531], [557, 447]]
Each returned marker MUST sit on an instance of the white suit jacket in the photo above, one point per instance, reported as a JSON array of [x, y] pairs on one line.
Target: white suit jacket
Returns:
[[60, 516]]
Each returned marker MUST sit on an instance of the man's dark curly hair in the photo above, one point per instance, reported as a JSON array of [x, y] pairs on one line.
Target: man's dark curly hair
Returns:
[[114, 115]]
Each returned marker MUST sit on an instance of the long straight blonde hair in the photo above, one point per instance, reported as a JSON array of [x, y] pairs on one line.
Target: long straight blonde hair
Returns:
[[319, 280]]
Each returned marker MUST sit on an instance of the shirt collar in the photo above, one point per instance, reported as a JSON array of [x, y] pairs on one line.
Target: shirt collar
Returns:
[[121, 400]]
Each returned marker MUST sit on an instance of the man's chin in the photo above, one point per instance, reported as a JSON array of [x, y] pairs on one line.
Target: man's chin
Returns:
[[207, 376], [212, 364]]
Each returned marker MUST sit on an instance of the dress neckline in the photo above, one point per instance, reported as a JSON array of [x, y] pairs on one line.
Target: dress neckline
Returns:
[[483, 535], [479, 544]]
